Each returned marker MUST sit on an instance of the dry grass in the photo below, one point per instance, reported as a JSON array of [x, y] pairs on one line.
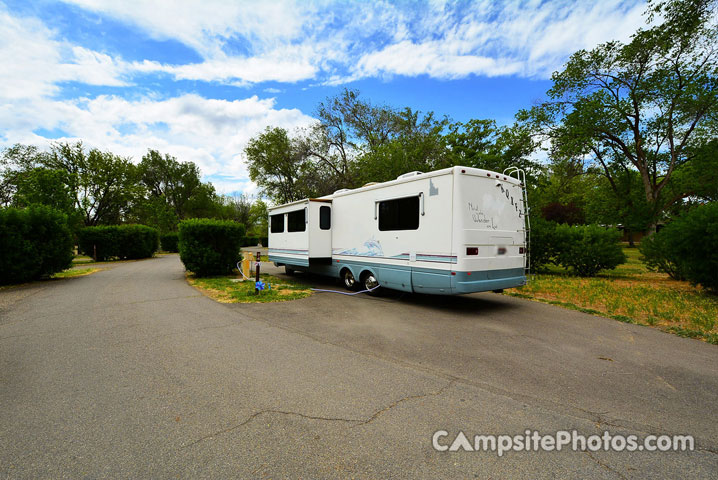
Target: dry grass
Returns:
[[631, 294]]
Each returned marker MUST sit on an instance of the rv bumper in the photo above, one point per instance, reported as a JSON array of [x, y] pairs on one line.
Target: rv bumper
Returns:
[[472, 282]]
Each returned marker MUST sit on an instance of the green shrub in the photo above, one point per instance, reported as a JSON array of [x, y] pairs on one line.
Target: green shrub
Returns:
[[251, 242], [587, 249], [660, 256], [210, 247], [543, 243], [118, 241], [34, 242], [137, 241], [169, 241], [265, 241], [688, 247], [98, 242]]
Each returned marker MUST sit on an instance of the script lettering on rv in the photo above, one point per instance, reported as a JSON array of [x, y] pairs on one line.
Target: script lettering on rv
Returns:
[[510, 197], [480, 217]]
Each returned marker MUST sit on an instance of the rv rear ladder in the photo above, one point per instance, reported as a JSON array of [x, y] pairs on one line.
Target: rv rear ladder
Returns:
[[521, 177]]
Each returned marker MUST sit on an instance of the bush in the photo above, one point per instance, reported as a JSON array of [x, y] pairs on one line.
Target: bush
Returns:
[[118, 241], [169, 242], [660, 256], [688, 247], [543, 243], [137, 241], [210, 247], [265, 241], [34, 242], [588, 249]]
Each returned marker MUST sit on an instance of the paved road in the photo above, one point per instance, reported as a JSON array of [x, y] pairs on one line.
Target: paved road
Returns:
[[130, 372]]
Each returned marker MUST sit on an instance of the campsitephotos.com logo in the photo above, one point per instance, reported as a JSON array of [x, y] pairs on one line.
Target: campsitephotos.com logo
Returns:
[[534, 441]]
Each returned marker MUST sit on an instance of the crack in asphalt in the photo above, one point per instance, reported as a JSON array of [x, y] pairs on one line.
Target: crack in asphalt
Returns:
[[356, 421], [537, 403], [378, 413]]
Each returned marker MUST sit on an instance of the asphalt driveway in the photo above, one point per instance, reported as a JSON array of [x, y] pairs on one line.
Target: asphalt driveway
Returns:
[[131, 372]]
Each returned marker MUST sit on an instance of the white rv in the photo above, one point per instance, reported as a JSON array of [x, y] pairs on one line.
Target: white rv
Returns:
[[456, 230]]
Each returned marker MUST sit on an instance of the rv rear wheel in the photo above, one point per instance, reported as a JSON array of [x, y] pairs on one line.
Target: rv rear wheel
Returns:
[[288, 270], [348, 278], [370, 282]]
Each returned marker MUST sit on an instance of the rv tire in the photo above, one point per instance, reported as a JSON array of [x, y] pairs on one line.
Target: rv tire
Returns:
[[288, 270], [370, 282], [348, 279]]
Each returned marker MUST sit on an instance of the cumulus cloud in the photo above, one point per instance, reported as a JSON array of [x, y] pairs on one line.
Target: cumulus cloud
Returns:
[[34, 61], [291, 41], [212, 133], [285, 42]]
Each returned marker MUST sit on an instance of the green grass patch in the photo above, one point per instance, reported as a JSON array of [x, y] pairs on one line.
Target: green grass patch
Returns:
[[632, 294], [77, 272], [81, 259], [225, 290]]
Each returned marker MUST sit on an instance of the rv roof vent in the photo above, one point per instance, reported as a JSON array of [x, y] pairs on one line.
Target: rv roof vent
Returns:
[[369, 184], [410, 174], [341, 191]]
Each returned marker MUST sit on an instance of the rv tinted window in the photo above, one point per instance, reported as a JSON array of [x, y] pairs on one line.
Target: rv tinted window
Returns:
[[399, 214], [277, 222], [295, 221], [325, 218]]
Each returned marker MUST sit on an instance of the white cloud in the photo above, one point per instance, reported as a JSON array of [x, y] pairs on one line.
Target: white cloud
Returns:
[[246, 43], [328, 41], [211, 133], [34, 61]]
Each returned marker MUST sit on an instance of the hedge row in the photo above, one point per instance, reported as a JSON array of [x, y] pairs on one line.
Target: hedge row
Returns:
[[687, 248], [583, 249], [169, 241], [210, 247], [253, 241], [34, 242], [118, 241]]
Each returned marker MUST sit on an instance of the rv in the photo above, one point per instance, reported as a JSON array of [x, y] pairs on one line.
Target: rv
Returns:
[[451, 231]]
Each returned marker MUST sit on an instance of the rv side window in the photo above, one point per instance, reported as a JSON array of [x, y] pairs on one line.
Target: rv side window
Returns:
[[325, 218], [399, 214], [296, 221], [277, 222]]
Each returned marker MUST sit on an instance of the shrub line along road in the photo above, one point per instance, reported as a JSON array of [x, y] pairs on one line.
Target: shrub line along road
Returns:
[[130, 372]]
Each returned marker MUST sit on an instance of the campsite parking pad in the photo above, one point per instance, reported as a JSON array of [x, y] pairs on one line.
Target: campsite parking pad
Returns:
[[131, 372]]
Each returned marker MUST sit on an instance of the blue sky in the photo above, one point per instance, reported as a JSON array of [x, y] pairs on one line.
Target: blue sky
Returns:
[[198, 79]]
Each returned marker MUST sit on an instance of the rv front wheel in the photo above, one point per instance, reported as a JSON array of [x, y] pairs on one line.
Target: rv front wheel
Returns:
[[348, 278]]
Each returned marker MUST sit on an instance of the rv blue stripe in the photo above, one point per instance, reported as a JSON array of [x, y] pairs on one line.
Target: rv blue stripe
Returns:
[[304, 262]]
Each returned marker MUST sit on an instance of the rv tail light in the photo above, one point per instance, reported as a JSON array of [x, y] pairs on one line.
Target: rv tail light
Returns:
[[453, 273], [472, 250], [521, 250], [502, 250]]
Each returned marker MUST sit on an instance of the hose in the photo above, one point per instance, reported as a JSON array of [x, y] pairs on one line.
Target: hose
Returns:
[[241, 272], [317, 289], [345, 293]]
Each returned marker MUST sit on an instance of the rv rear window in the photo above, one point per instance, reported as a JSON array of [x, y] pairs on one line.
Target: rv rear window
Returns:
[[296, 221], [277, 223], [399, 214], [325, 218]]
